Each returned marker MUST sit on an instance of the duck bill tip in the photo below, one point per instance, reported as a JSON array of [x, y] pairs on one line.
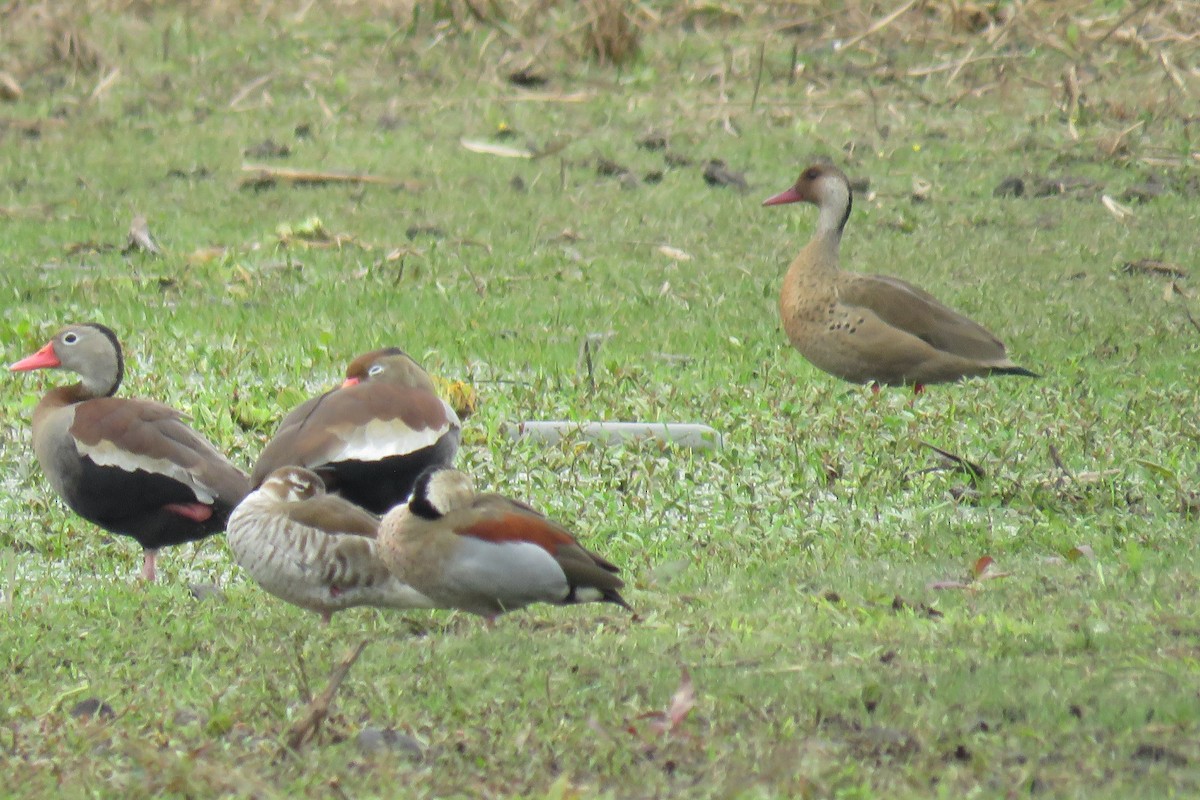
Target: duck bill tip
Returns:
[[42, 359], [788, 196]]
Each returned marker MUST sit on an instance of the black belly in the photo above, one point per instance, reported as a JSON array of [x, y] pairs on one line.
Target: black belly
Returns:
[[380, 485], [132, 504]]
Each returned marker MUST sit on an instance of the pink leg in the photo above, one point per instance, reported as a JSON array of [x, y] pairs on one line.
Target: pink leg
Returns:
[[149, 557], [918, 390], [196, 512], [874, 387], [326, 617]]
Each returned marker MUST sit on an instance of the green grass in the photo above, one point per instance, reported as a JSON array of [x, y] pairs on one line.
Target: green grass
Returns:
[[789, 572]]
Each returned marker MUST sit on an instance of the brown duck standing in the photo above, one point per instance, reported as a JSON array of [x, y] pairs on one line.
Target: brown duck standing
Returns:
[[130, 466], [486, 554], [371, 437], [872, 328]]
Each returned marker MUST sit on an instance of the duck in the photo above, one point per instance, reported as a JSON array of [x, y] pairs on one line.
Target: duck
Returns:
[[369, 438], [872, 328], [486, 554], [312, 549], [131, 466]]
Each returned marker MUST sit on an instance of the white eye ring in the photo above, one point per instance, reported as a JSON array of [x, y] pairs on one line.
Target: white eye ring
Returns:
[[375, 370], [70, 338]]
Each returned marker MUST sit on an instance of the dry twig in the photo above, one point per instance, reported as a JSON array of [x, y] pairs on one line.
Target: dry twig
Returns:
[[306, 727], [263, 175], [878, 25]]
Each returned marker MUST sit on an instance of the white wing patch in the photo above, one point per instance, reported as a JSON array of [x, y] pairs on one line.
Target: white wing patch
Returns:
[[380, 439], [106, 454]]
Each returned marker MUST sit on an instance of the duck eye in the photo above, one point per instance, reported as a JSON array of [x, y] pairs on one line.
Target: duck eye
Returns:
[[375, 369], [70, 338]]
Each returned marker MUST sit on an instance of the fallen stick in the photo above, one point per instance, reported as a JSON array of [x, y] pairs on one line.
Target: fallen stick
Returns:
[[1152, 266], [877, 26], [700, 437], [261, 174], [970, 468], [306, 727]]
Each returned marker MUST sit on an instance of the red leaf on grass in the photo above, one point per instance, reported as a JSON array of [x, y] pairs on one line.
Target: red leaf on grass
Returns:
[[1081, 551], [983, 570], [682, 702]]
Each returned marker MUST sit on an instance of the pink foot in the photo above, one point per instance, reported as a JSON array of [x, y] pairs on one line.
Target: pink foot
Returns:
[[196, 512], [149, 557]]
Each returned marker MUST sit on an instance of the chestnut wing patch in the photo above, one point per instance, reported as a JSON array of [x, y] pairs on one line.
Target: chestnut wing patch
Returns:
[[581, 567], [519, 526]]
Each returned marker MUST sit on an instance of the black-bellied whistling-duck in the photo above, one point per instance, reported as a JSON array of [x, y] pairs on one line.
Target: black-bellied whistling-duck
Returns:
[[130, 466], [371, 437], [312, 549], [486, 554], [872, 328]]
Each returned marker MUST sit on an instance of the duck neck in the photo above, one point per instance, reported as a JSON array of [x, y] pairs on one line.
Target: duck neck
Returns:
[[86, 389], [836, 202], [99, 385]]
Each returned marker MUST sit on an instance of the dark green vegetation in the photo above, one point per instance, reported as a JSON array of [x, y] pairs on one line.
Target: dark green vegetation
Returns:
[[794, 572]]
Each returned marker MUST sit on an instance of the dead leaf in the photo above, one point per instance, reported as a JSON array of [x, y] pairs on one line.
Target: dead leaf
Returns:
[[205, 255], [493, 149], [1012, 186], [922, 190], [267, 148], [527, 77], [1173, 288], [654, 140], [682, 702], [461, 396], [607, 168], [1121, 212], [921, 609], [1080, 551], [674, 253], [92, 708], [983, 569], [717, 174], [10, 90]]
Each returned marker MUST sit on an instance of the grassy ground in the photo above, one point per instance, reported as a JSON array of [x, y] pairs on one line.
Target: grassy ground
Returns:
[[803, 577]]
